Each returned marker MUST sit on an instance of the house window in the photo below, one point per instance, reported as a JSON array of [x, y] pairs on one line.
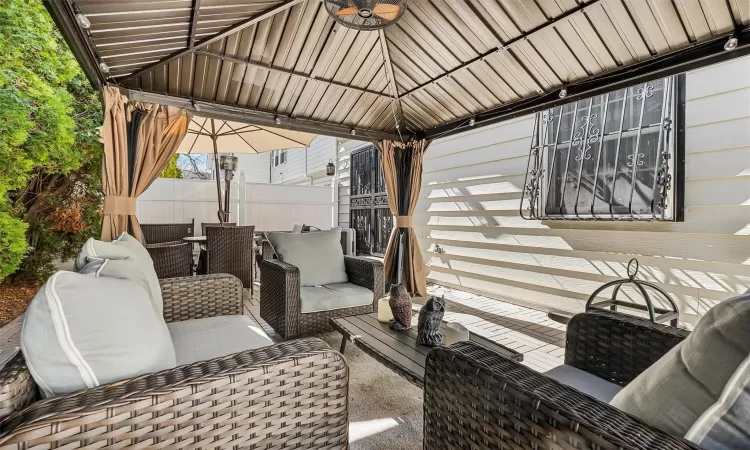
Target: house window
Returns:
[[278, 157], [608, 157]]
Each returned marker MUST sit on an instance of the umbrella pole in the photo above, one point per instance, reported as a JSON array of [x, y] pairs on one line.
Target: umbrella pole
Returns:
[[218, 174]]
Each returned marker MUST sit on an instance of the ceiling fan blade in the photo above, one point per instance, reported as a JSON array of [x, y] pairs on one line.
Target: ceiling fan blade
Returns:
[[386, 11], [347, 12]]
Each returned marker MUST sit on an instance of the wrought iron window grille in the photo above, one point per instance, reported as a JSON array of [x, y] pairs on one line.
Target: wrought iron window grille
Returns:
[[608, 157], [370, 213]]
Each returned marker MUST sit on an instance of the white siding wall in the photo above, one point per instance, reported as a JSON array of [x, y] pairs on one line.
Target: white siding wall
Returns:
[[345, 148], [471, 192], [257, 168], [321, 150]]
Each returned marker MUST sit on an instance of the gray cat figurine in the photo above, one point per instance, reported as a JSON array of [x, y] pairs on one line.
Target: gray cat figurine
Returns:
[[430, 319]]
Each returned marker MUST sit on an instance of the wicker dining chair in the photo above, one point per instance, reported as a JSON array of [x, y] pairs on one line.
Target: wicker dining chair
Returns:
[[157, 233], [216, 224], [172, 259], [476, 399], [229, 249], [290, 395]]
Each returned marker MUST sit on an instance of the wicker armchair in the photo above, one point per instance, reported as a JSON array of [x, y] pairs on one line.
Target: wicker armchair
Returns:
[[157, 233], [280, 296], [172, 259], [290, 395], [476, 399]]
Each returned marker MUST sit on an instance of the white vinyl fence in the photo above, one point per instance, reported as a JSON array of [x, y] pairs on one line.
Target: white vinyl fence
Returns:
[[267, 206]]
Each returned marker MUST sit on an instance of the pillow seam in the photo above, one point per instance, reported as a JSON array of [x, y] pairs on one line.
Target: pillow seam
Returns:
[[62, 332]]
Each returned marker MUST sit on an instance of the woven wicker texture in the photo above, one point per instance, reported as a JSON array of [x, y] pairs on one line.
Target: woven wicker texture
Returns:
[[476, 399], [201, 296], [617, 347], [290, 395], [157, 233], [204, 225], [17, 388], [280, 296], [229, 249], [172, 259]]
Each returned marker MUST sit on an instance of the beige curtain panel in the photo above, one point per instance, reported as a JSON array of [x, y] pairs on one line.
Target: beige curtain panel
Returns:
[[156, 133], [402, 170]]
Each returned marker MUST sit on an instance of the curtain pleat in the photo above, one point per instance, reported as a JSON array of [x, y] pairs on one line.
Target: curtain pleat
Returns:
[[138, 144], [402, 170]]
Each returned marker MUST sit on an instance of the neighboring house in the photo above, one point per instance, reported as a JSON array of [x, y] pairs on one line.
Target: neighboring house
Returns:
[[308, 167], [304, 166], [472, 184]]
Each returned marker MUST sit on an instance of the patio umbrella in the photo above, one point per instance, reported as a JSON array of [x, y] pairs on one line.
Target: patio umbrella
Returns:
[[206, 136]]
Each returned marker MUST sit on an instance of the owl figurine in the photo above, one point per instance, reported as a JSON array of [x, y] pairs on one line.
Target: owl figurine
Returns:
[[430, 319], [400, 303]]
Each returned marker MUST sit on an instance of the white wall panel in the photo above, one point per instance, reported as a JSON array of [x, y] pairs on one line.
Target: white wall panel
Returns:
[[471, 189], [267, 206]]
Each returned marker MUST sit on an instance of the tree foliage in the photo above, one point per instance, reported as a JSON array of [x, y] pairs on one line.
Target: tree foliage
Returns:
[[49, 149], [172, 170]]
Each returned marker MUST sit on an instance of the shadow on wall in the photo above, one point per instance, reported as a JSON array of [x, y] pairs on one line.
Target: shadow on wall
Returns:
[[557, 264]]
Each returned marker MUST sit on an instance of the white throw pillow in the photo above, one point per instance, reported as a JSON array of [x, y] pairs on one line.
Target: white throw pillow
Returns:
[[125, 246], [82, 330], [318, 255]]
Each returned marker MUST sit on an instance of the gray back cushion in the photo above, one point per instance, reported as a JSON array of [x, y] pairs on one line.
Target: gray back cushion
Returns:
[[318, 255], [83, 330], [679, 391], [125, 246]]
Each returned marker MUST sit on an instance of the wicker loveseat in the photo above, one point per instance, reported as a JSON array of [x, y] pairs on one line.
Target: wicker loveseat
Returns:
[[476, 399], [290, 395]]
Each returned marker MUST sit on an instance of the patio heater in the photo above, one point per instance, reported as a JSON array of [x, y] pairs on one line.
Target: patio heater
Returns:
[[228, 164]]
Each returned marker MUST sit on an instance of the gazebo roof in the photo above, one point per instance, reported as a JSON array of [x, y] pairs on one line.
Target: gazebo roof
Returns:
[[444, 63]]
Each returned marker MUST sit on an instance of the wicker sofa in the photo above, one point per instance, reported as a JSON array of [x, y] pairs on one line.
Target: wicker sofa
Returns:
[[290, 395], [476, 399]]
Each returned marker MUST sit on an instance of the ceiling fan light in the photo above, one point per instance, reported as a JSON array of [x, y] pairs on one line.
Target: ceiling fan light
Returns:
[[366, 15]]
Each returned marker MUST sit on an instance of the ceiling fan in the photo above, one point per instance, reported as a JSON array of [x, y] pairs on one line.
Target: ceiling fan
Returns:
[[366, 14]]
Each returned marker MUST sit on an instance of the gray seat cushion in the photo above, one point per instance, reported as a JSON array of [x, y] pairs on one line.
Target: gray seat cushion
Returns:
[[82, 331], [695, 389], [334, 296], [585, 382], [125, 246], [213, 337], [318, 255]]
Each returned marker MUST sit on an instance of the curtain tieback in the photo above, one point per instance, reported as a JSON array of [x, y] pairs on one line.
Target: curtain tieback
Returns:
[[119, 206], [404, 222]]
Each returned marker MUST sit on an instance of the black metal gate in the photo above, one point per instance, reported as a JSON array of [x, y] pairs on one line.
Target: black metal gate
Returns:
[[370, 216]]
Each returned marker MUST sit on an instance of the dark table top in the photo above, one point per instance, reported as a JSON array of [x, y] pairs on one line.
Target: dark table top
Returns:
[[194, 239], [398, 350]]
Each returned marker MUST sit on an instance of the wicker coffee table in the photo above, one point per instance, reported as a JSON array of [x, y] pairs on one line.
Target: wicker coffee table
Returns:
[[398, 350]]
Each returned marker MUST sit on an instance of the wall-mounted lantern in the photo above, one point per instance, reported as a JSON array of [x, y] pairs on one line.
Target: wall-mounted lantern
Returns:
[[330, 168]]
